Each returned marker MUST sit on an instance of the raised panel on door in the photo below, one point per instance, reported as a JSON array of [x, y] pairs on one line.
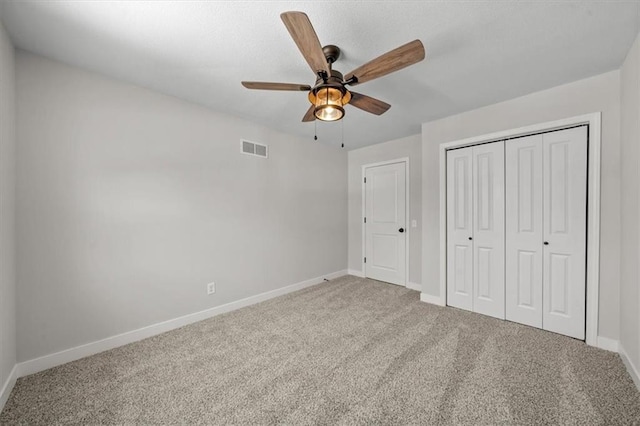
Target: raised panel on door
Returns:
[[385, 208], [488, 229], [459, 229], [565, 200], [523, 230]]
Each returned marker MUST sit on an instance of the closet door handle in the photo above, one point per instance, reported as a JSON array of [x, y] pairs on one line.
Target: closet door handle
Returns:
[[546, 243], [470, 238], [401, 230]]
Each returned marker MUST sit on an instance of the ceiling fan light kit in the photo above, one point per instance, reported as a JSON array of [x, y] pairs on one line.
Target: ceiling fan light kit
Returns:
[[328, 103], [329, 95]]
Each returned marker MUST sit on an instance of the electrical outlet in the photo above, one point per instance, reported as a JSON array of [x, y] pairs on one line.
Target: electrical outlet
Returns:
[[211, 288]]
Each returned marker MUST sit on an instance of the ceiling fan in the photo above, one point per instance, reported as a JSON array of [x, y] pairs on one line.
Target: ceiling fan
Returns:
[[329, 95]]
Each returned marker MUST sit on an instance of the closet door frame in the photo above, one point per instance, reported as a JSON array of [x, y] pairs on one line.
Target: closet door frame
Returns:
[[593, 207]]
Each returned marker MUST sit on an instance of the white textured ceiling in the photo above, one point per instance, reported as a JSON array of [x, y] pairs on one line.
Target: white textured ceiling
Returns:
[[478, 52]]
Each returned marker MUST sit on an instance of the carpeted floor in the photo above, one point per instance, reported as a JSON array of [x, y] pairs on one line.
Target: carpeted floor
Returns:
[[351, 351]]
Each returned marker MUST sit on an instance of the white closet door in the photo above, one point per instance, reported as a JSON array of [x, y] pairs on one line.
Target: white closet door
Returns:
[[459, 229], [523, 173], [565, 200], [488, 229]]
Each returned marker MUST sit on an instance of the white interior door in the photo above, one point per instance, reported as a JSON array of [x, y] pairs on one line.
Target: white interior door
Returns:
[[565, 222], [523, 172], [385, 227], [460, 228], [488, 229]]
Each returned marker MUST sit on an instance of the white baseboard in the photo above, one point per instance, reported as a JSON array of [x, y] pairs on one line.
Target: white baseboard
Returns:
[[434, 300], [414, 286], [8, 386], [48, 361], [355, 273], [633, 371], [607, 344]]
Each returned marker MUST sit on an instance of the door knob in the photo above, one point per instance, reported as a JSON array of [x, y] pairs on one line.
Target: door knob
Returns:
[[401, 230], [470, 238], [546, 243]]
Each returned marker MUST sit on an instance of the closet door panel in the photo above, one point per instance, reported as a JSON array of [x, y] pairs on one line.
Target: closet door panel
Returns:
[[524, 231], [459, 229], [488, 227], [565, 221]]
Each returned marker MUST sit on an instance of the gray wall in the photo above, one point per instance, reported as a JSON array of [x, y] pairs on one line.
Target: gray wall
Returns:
[[630, 213], [129, 202], [7, 209], [600, 93], [411, 147]]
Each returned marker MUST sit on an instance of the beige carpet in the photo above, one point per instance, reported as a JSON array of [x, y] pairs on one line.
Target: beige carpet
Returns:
[[351, 351]]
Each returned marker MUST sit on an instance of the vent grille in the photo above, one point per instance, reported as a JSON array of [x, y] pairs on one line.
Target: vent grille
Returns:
[[253, 148]]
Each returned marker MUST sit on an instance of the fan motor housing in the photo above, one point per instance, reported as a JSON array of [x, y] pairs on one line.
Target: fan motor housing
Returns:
[[335, 79]]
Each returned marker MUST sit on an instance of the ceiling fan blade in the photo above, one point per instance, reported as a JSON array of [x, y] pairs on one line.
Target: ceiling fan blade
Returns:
[[261, 85], [309, 115], [306, 39], [369, 104], [394, 60]]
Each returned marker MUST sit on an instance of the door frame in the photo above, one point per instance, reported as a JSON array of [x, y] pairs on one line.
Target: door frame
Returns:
[[407, 191], [594, 121]]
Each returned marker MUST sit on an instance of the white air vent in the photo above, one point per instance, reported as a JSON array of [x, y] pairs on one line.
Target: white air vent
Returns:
[[253, 148]]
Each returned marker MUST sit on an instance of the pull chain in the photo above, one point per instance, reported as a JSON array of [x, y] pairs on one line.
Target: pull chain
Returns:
[[342, 133], [315, 130]]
